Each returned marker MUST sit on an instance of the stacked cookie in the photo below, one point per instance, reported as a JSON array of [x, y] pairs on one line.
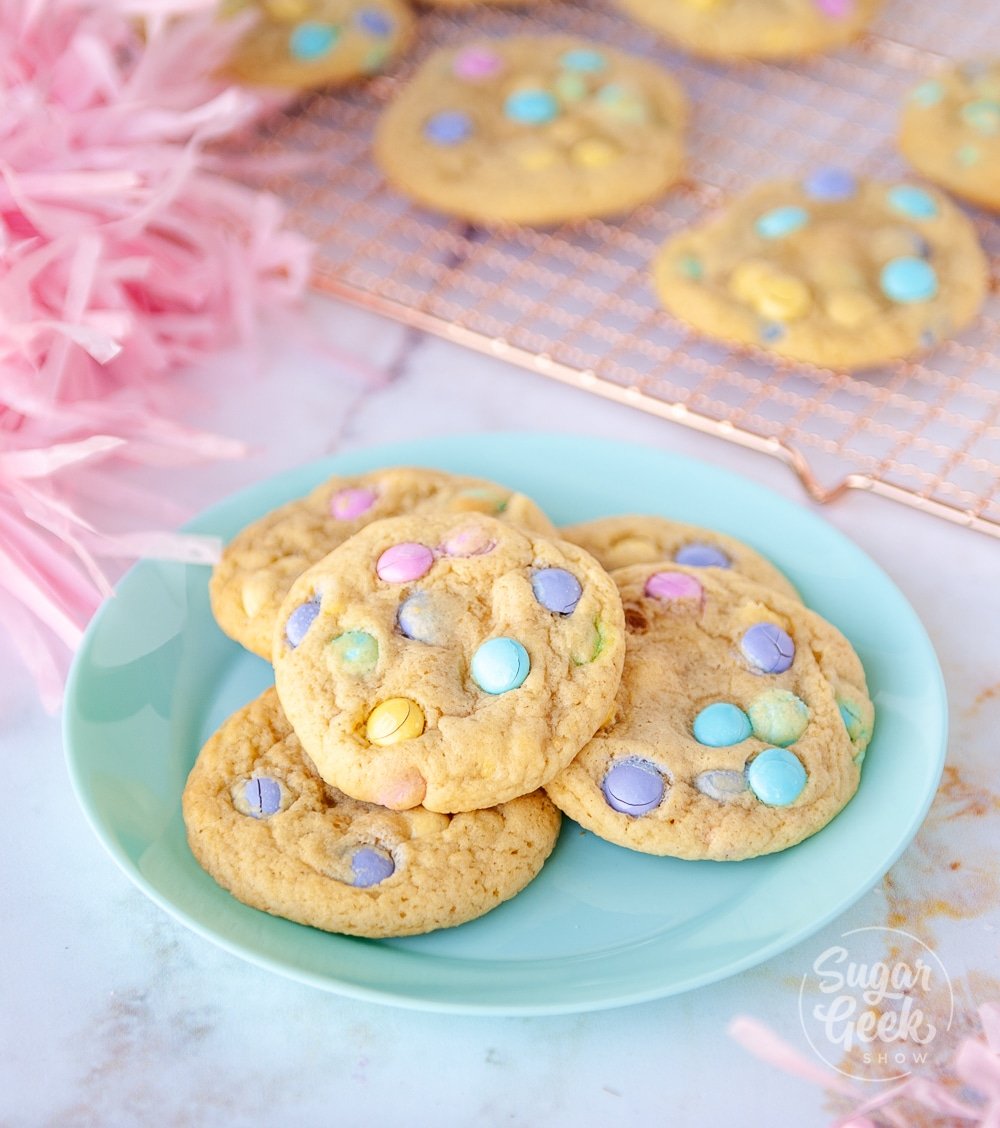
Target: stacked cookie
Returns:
[[450, 670]]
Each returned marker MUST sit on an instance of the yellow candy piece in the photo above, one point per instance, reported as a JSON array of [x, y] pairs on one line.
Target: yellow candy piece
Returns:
[[593, 153], [395, 720], [851, 308], [782, 298], [747, 278], [537, 158]]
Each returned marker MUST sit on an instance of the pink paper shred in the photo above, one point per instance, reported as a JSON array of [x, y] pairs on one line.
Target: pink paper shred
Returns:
[[124, 254]]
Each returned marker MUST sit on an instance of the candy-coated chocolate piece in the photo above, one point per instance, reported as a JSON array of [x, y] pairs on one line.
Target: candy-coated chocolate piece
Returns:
[[531, 107], [472, 540], [347, 504], [374, 22], [394, 720], [836, 9], [852, 719], [690, 267], [583, 59], [312, 40], [404, 562], [778, 717], [776, 777], [983, 115], [417, 619], [720, 725], [830, 184], [700, 555], [767, 648], [928, 93], [571, 87], [299, 622], [673, 585], [911, 201], [779, 222], [263, 795], [357, 650], [908, 279], [622, 103], [448, 127], [370, 865], [556, 590], [477, 62], [593, 152], [721, 784], [499, 665], [633, 787]]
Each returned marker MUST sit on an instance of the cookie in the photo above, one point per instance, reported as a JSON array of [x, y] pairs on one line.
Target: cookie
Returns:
[[304, 44], [739, 729], [267, 828], [616, 542], [260, 564], [450, 661], [833, 271], [533, 130], [754, 29], [950, 131]]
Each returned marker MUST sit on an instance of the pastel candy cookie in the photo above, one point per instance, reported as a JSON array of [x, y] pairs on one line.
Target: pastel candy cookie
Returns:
[[831, 270], [754, 29], [533, 130], [740, 725], [304, 44], [616, 542], [259, 565], [267, 828], [950, 131], [449, 661]]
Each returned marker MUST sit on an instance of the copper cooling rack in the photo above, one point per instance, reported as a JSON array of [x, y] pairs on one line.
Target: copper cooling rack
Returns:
[[575, 303]]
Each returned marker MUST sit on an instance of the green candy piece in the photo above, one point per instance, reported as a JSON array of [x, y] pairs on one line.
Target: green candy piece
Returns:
[[357, 650], [778, 717]]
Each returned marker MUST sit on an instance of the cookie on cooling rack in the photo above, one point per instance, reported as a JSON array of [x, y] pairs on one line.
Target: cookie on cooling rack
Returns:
[[754, 29], [267, 828], [950, 131], [533, 130], [833, 271], [260, 564], [616, 542], [305, 44], [740, 725], [449, 661]]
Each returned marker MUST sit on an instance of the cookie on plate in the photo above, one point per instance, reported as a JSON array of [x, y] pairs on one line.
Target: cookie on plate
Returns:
[[449, 661], [268, 829], [305, 44], [950, 131], [739, 728], [834, 271], [754, 29], [534, 130], [260, 564], [616, 542]]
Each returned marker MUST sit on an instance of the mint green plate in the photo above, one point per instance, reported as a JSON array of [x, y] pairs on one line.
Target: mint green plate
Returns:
[[600, 926]]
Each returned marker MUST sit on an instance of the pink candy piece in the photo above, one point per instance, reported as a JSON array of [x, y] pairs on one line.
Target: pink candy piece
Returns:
[[477, 62], [346, 504], [473, 540], [404, 562], [673, 585], [836, 9]]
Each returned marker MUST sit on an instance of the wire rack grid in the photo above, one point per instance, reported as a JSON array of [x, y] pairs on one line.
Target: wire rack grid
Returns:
[[575, 303]]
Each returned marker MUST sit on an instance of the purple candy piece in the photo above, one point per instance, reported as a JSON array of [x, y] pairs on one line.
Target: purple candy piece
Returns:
[[373, 21], [767, 648], [370, 865], [699, 555], [416, 619], [556, 590], [264, 796], [448, 127], [300, 620], [830, 184], [633, 787]]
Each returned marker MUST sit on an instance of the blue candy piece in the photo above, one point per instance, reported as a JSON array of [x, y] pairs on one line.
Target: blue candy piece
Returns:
[[531, 107], [830, 184], [370, 865], [583, 59], [698, 555], [908, 279], [556, 590], [299, 622], [851, 718], [720, 725], [263, 794], [767, 648], [499, 665], [374, 22], [779, 222], [911, 201], [776, 777], [312, 40], [448, 127], [416, 619], [772, 331], [633, 787]]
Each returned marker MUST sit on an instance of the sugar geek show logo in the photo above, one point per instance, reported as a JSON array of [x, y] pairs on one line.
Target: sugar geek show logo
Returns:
[[876, 1020]]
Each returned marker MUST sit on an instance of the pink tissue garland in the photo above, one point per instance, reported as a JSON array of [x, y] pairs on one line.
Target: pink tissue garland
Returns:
[[123, 255], [976, 1066]]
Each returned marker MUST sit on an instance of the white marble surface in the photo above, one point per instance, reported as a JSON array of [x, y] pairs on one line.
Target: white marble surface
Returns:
[[113, 1014]]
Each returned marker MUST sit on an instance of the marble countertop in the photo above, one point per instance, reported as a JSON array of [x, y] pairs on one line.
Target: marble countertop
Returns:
[[115, 1014]]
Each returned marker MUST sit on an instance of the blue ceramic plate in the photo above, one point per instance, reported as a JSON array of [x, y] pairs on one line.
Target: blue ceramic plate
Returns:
[[601, 926]]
